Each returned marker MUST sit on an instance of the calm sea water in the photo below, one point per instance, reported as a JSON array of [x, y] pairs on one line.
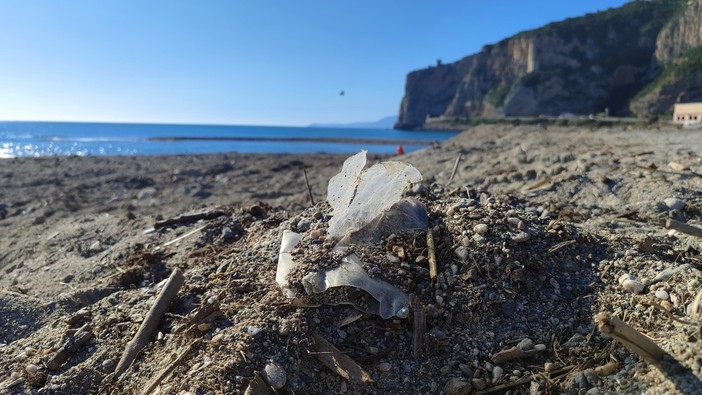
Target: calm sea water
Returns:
[[65, 138]]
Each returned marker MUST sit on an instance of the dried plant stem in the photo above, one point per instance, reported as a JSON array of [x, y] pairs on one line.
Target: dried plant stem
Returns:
[[150, 323], [168, 369], [683, 228], [433, 271], [307, 183], [70, 347], [455, 167], [631, 338]]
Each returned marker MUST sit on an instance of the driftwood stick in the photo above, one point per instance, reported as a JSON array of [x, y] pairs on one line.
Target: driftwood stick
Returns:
[[69, 347], [683, 228], [455, 167], [307, 183], [150, 323], [512, 353], [189, 218], [419, 325], [631, 338], [168, 369], [433, 271]]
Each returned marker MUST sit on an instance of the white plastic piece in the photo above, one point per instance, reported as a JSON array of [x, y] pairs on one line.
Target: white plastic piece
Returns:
[[286, 264], [391, 300], [367, 203]]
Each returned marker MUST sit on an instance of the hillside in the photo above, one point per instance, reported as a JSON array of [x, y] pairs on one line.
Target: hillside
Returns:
[[636, 59]]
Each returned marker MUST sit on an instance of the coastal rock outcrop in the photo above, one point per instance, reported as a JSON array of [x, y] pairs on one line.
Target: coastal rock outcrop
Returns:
[[618, 60]]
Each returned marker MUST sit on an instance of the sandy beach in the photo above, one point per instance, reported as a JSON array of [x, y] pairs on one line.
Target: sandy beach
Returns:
[[79, 254]]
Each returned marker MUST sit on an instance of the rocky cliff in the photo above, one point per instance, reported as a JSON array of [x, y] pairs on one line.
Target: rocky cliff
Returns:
[[620, 59]]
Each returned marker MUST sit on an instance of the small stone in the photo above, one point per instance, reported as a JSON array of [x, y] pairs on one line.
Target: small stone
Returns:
[[581, 380], [662, 294], [32, 369], [457, 386], [466, 369], [497, 373], [479, 384], [480, 229], [624, 277], [383, 367], [392, 258], [508, 308], [146, 193], [95, 246], [304, 225], [525, 345], [591, 376], [446, 369], [275, 375], [108, 365], [420, 259], [343, 387], [540, 347], [634, 286], [674, 203], [521, 237], [254, 331], [461, 253], [548, 367], [574, 340]]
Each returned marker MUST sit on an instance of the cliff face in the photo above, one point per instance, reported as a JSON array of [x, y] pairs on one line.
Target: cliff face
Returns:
[[581, 65]]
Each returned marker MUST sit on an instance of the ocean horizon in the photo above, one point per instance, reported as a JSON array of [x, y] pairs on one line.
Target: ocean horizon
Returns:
[[28, 138]]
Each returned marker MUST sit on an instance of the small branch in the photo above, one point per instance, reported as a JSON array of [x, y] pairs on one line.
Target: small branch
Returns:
[[433, 271], [70, 347], [419, 325], [168, 369], [683, 228], [455, 167], [150, 323], [340, 363], [307, 183], [631, 338], [189, 218], [511, 354]]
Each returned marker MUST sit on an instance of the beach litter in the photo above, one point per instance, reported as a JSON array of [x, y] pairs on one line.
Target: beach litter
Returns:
[[366, 205]]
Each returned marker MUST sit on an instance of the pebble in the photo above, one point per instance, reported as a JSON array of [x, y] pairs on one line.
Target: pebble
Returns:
[[548, 367], [674, 203], [383, 366], [479, 384], [480, 229], [634, 286], [497, 373], [591, 376], [254, 331], [274, 374], [457, 386], [392, 258], [521, 237], [108, 365], [662, 294], [461, 253], [540, 347], [525, 345], [466, 370], [304, 225], [32, 369]]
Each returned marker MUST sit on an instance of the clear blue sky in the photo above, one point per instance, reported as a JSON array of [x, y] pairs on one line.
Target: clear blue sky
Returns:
[[254, 62]]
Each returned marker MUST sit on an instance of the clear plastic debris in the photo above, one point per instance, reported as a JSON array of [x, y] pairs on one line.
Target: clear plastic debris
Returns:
[[366, 206]]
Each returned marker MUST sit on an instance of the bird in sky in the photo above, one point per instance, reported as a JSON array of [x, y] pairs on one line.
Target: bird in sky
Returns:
[[342, 93]]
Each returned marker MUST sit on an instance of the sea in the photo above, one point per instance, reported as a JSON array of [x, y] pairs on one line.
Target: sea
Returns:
[[21, 139]]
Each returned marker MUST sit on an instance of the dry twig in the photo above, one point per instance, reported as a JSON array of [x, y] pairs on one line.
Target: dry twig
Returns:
[[631, 338], [433, 271], [69, 347], [455, 167], [339, 362], [683, 227], [150, 323], [307, 183], [168, 369], [189, 218], [419, 325]]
